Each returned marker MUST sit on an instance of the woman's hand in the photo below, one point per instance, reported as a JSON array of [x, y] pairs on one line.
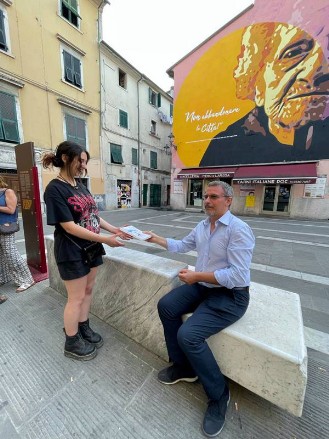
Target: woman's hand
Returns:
[[123, 235], [112, 241]]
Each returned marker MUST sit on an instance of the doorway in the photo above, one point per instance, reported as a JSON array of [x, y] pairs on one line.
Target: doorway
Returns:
[[276, 198], [195, 192]]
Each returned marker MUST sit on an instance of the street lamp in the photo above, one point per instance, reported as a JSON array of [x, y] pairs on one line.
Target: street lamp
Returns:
[[171, 145]]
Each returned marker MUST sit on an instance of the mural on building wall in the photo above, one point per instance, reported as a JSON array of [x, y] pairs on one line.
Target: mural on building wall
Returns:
[[258, 95]]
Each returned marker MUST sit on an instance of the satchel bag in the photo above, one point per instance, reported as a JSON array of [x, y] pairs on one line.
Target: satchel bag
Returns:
[[91, 251], [7, 228]]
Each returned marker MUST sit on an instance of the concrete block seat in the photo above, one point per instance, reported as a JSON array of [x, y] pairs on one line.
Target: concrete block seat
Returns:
[[264, 352]]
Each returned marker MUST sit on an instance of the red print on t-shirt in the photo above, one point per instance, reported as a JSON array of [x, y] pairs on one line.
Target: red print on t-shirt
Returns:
[[86, 206]]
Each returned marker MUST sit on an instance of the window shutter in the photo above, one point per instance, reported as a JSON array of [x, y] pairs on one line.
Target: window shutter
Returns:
[[150, 95], [134, 157], [171, 110], [153, 160], [69, 77], [116, 156], [3, 43], [123, 119], [8, 118], [77, 71], [159, 99], [75, 129]]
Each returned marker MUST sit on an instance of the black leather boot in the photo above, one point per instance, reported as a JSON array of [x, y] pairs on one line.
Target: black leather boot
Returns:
[[88, 334], [78, 348]]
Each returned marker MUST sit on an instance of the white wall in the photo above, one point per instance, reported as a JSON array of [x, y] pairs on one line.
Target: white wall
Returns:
[[134, 97]]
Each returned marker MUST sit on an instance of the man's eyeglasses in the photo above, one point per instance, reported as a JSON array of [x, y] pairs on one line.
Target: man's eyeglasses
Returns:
[[214, 197]]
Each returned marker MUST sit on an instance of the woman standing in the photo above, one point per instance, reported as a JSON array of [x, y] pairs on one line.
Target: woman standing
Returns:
[[73, 211], [13, 267]]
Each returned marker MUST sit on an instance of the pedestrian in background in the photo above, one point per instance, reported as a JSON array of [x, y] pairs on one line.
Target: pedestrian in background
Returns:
[[72, 210], [13, 267]]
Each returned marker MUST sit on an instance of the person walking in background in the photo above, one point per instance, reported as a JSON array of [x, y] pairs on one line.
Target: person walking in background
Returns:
[[12, 267], [217, 293], [73, 211]]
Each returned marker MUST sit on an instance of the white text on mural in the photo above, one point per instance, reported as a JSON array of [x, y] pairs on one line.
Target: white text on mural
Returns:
[[209, 127]]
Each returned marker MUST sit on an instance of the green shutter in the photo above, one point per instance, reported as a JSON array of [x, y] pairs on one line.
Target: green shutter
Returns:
[[72, 5], [150, 95], [8, 118], [123, 119], [77, 71], [3, 43], [75, 130], [159, 99], [153, 160], [134, 156], [171, 110], [116, 156]]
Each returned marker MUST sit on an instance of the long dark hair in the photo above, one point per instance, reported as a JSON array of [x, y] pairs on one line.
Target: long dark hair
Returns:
[[68, 148]]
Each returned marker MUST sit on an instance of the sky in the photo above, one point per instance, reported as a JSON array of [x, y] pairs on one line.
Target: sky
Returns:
[[153, 35]]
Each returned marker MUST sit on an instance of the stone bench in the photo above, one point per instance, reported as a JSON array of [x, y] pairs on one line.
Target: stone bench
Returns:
[[264, 351]]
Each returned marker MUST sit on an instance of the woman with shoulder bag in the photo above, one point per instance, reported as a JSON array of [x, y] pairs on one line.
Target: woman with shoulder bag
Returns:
[[77, 244], [13, 267]]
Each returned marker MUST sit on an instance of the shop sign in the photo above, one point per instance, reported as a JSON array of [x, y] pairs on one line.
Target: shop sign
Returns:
[[215, 175], [292, 180]]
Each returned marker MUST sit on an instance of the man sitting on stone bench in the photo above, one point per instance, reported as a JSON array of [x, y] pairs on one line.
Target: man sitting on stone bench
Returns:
[[217, 293]]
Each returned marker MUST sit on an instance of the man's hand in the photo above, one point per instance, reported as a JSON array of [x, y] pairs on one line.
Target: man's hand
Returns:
[[187, 276], [156, 239]]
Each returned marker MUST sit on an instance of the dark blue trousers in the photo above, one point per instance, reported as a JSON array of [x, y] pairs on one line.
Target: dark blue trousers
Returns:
[[213, 310]]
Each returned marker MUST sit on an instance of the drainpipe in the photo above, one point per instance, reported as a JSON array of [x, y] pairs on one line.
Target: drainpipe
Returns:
[[139, 155], [99, 39]]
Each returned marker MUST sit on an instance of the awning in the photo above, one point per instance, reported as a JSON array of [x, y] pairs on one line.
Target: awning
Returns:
[[206, 173], [298, 173]]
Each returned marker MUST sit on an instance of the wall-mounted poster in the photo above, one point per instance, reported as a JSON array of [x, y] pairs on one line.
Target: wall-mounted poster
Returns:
[[259, 94], [124, 193], [316, 190], [178, 187]]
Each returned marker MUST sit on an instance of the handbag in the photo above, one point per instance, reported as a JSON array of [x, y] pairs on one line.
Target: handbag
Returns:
[[7, 228], [12, 227], [91, 251]]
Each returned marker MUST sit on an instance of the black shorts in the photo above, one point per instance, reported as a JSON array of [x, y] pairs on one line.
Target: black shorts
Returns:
[[71, 270]]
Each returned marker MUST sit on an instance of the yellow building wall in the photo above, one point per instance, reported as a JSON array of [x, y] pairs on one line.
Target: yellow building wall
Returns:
[[34, 26]]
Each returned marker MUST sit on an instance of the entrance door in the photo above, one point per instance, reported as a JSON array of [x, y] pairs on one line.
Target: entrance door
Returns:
[[155, 195], [195, 193], [145, 186], [276, 198]]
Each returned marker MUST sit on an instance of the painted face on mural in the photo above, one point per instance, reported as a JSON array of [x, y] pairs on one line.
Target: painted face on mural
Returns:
[[283, 69]]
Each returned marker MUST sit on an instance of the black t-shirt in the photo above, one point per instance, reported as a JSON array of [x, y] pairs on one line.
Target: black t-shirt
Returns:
[[66, 203]]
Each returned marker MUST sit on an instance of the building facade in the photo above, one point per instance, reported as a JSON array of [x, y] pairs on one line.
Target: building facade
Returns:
[[136, 128], [252, 109], [50, 81]]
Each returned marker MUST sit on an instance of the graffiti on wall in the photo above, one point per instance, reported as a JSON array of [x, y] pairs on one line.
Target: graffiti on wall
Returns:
[[258, 95]]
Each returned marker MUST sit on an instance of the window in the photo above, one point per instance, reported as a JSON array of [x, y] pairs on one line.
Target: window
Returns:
[[122, 79], [3, 31], [72, 69], [123, 119], [153, 127], [116, 155], [69, 10], [134, 156], [8, 118], [153, 160], [154, 98], [75, 129], [171, 110]]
